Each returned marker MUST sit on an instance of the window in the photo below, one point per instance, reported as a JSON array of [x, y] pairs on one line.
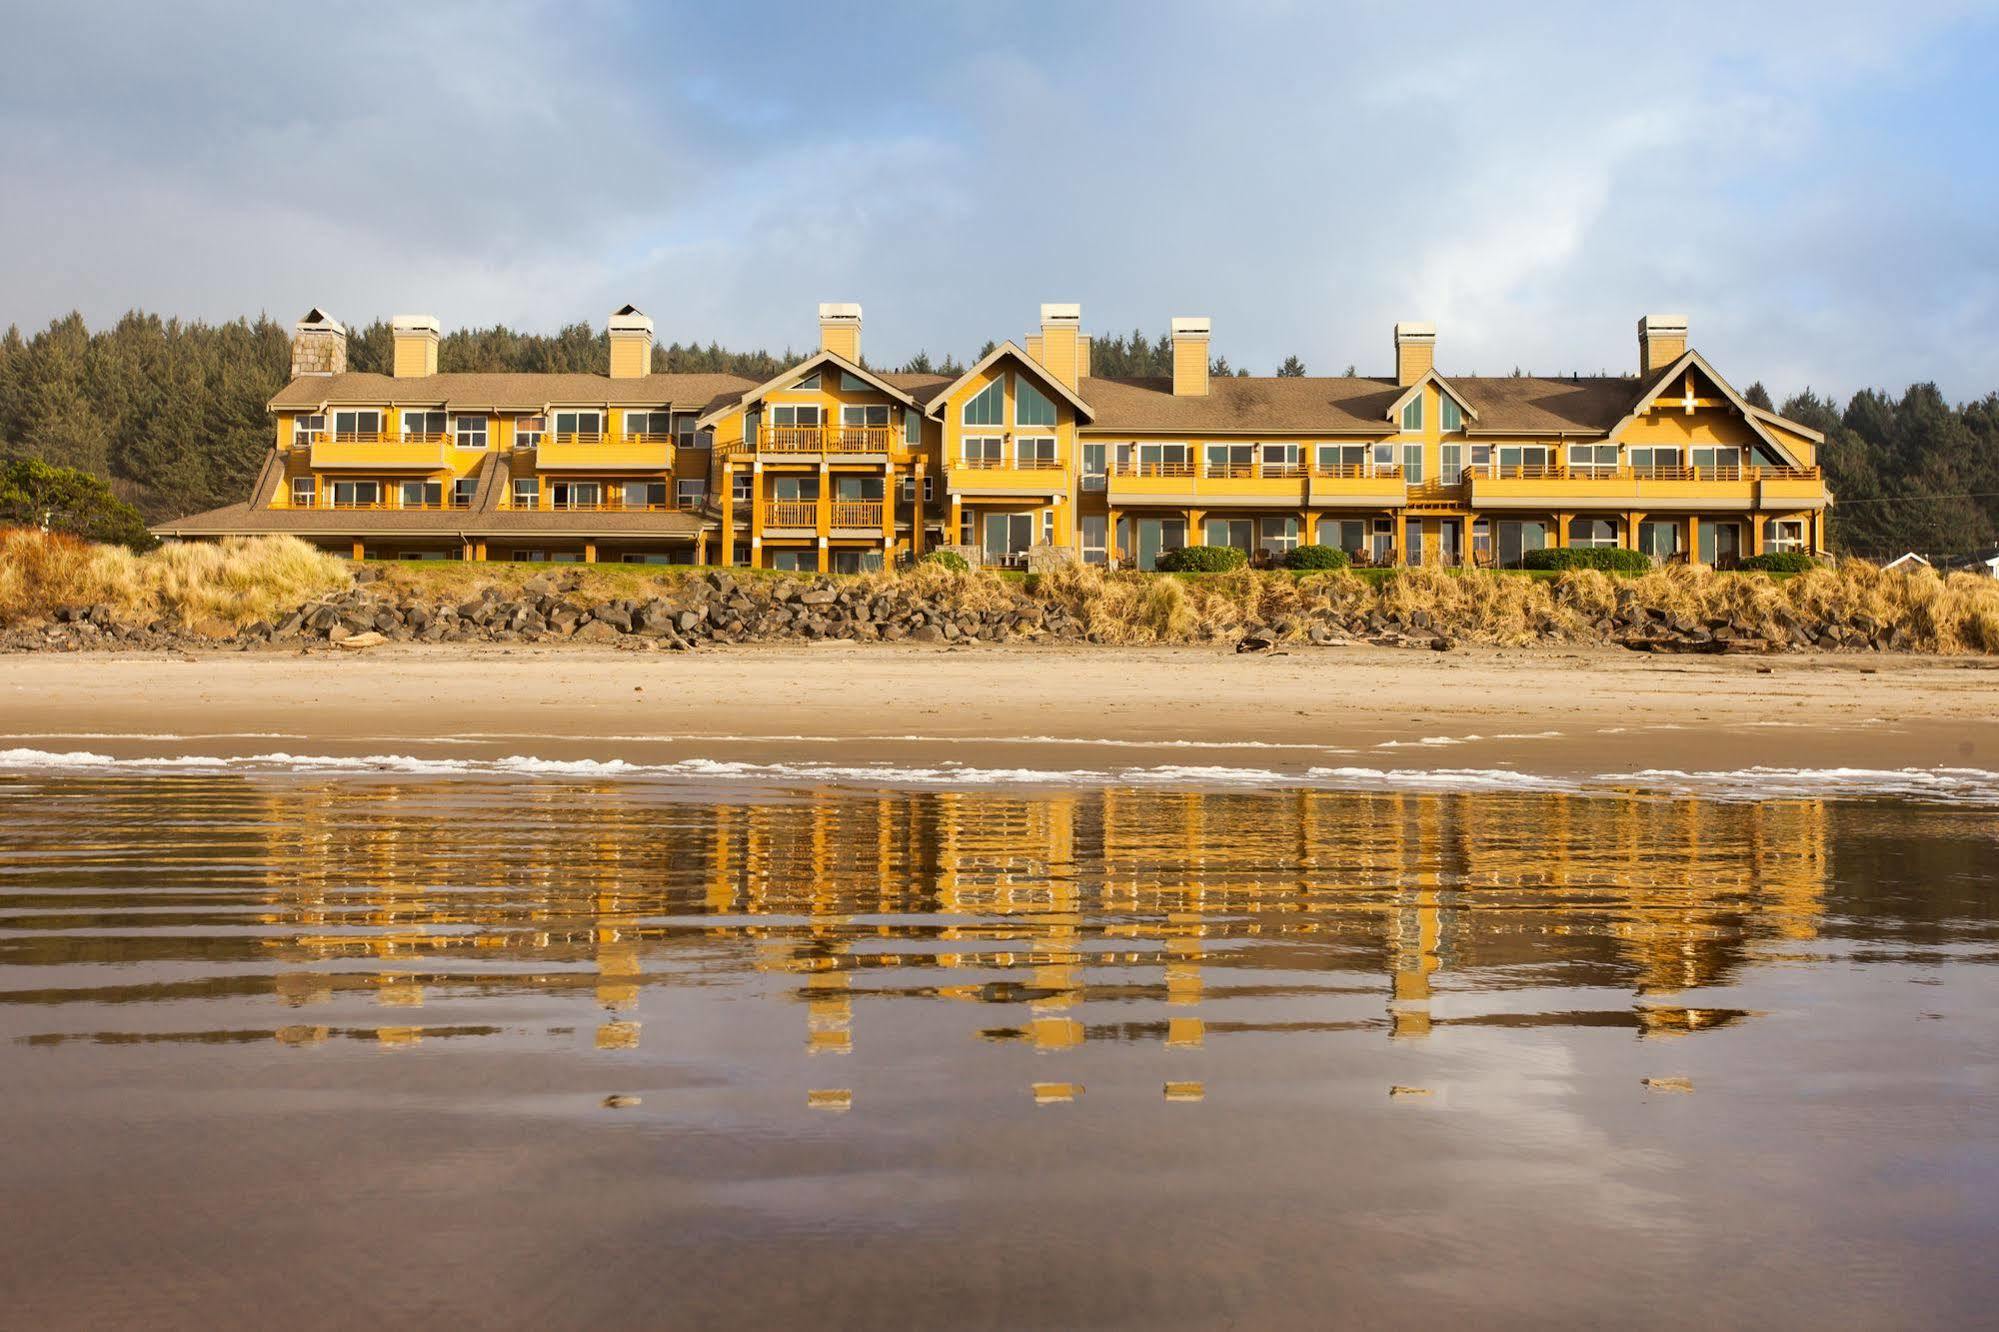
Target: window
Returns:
[[462, 491], [912, 428], [795, 489], [809, 384], [575, 494], [303, 489], [529, 557], [471, 432], [1654, 460], [1412, 413], [981, 450], [356, 494], [589, 424], [683, 430], [306, 430], [795, 414], [1659, 540], [1236, 532], [642, 557], [1280, 460], [865, 415], [1347, 534], [794, 561], [909, 489], [1093, 528], [1048, 527], [1165, 460], [423, 494], [988, 407], [1093, 468], [853, 383], [658, 424], [1343, 459], [1384, 457], [1784, 534], [1451, 463], [1516, 539], [692, 492], [1726, 463], [422, 555], [1450, 416], [1008, 537], [527, 492], [528, 431], [1384, 540], [348, 425], [1592, 532], [739, 487], [1035, 451], [1481, 459], [1524, 460], [857, 488], [428, 424], [857, 561], [1277, 535], [1031, 407], [929, 489], [1412, 464], [644, 494], [1230, 459], [1412, 543], [1593, 459]]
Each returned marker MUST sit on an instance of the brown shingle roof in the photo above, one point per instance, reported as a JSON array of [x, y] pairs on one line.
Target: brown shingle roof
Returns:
[[920, 387], [516, 392], [1352, 405], [243, 520]]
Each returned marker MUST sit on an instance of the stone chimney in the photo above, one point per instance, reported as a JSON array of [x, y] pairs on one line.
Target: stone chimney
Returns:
[[1061, 342], [1662, 340], [631, 343], [416, 345], [1415, 352], [840, 329], [319, 345], [1190, 356]]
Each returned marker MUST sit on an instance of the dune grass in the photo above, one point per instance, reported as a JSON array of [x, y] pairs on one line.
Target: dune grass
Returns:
[[244, 579]]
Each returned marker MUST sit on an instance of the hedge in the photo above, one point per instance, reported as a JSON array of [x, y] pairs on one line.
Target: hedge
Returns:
[[950, 559], [1779, 561], [1202, 559], [1316, 557], [1610, 559]]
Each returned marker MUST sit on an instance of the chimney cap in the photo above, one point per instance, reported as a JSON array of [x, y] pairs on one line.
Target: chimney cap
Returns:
[[317, 320], [1061, 313], [1414, 330], [629, 319], [829, 310], [1667, 324], [1190, 326], [415, 323]]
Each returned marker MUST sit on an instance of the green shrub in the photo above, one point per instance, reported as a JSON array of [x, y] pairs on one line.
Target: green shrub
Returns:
[[62, 499], [1316, 557], [950, 559], [1780, 561], [1202, 559], [1610, 559]]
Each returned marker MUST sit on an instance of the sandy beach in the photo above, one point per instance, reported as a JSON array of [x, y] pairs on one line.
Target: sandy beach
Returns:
[[1554, 712]]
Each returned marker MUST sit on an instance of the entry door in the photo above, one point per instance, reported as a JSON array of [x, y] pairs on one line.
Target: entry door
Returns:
[[1008, 535], [1230, 532], [1721, 543], [1516, 539], [1156, 535], [1450, 549]]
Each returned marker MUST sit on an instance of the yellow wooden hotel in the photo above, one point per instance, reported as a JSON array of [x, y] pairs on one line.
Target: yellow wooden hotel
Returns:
[[1024, 460]]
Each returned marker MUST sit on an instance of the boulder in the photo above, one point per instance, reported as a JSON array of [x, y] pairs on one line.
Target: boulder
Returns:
[[358, 641]]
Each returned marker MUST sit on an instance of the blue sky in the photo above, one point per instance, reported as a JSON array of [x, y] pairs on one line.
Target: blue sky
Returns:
[[1814, 185]]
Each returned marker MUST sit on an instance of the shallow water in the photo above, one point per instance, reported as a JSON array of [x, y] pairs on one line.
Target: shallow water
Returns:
[[323, 1049]]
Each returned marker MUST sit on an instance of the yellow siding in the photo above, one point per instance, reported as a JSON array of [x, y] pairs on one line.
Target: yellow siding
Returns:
[[1190, 366]]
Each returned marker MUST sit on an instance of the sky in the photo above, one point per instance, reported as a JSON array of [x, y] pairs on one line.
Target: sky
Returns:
[[1813, 185]]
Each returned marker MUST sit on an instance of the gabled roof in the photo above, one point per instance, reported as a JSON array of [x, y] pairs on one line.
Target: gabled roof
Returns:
[[1795, 427], [1039, 371], [511, 391], [1354, 405], [1443, 386], [1693, 360], [798, 372]]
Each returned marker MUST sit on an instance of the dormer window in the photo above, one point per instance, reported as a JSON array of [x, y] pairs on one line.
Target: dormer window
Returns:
[[1412, 413], [306, 430]]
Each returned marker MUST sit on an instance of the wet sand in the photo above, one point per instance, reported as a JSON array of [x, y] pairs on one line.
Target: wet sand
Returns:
[[1555, 712]]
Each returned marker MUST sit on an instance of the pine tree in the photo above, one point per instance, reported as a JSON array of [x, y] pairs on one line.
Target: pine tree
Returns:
[[1293, 368]]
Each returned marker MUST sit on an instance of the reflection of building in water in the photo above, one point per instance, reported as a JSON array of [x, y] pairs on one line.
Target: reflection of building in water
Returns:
[[1108, 915]]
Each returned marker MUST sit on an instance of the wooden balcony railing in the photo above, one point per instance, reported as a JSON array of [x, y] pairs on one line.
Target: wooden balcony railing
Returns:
[[826, 439], [386, 505], [602, 504], [857, 513], [1622, 472], [1253, 471], [792, 513], [1011, 462]]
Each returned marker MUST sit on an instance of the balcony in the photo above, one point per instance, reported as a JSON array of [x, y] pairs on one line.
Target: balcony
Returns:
[[792, 513], [384, 452], [1274, 484], [1008, 473], [841, 515], [1557, 485], [648, 453], [602, 504], [815, 441]]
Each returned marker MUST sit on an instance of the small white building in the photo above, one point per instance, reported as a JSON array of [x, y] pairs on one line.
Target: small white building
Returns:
[[1984, 563], [1908, 561]]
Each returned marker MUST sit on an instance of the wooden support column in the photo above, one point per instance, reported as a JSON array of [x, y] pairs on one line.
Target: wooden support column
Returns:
[[360, 551], [757, 502], [1110, 536], [1306, 534], [1195, 519], [888, 510], [1755, 532], [1693, 539], [728, 514], [466, 550], [825, 555], [589, 552], [953, 535], [481, 556], [822, 512], [1561, 531], [701, 546], [917, 513], [1631, 522], [1818, 532]]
